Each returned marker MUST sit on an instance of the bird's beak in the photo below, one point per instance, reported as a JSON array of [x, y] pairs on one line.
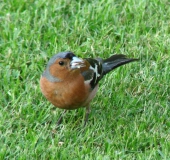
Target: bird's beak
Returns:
[[76, 63]]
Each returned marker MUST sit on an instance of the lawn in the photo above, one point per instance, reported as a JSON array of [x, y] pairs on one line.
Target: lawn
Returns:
[[130, 115]]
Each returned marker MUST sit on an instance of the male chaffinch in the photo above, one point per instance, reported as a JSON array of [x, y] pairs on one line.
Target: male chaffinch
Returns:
[[69, 82]]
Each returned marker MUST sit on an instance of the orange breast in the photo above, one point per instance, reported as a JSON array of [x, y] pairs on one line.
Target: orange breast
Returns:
[[70, 94]]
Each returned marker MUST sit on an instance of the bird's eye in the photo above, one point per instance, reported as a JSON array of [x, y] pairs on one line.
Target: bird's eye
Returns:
[[61, 63]]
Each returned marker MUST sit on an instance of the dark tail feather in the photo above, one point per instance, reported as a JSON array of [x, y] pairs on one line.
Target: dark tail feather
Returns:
[[116, 61]]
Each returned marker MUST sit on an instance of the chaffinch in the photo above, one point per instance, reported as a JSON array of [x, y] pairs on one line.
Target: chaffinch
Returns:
[[69, 82]]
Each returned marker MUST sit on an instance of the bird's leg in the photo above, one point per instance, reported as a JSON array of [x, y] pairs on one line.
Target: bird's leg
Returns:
[[61, 118], [87, 114]]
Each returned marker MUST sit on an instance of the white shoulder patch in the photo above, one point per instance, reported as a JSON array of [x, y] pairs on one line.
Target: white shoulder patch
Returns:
[[95, 70]]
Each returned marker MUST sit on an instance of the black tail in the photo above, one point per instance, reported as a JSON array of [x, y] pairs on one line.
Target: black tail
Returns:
[[116, 61]]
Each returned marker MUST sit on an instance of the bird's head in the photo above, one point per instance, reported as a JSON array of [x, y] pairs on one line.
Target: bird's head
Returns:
[[62, 64]]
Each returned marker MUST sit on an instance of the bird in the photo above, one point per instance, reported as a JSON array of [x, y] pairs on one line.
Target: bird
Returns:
[[70, 82]]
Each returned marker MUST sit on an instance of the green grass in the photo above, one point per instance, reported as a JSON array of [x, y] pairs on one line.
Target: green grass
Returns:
[[130, 116]]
